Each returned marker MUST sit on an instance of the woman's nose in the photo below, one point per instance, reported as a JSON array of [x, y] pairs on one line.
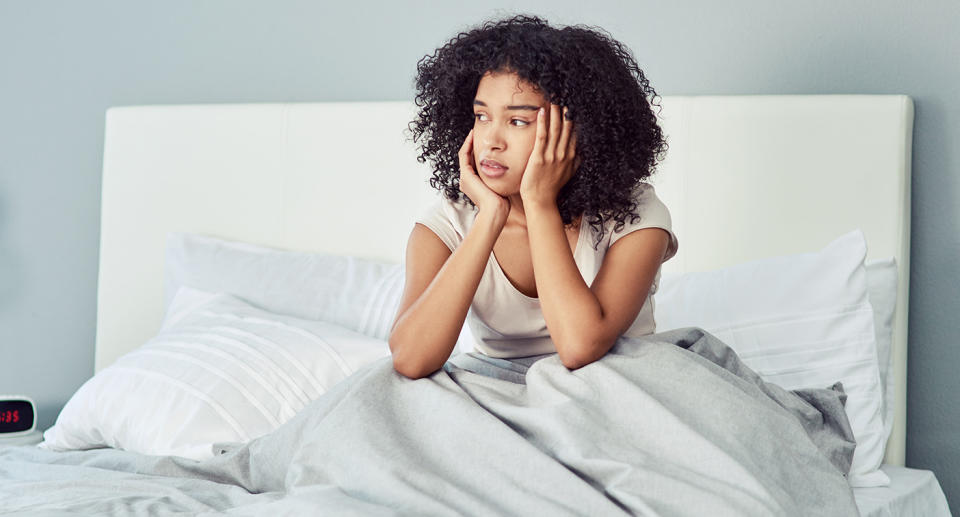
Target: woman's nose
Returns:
[[492, 138]]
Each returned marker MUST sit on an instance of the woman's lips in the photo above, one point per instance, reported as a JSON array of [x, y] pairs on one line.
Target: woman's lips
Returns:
[[492, 171]]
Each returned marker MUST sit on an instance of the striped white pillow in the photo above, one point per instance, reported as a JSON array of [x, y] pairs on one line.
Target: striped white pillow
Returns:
[[356, 293], [220, 370], [359, 294]]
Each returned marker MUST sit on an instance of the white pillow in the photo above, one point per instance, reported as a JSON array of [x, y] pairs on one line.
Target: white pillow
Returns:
[[359, 294], [882, 291], [799, 321], [220, 370]]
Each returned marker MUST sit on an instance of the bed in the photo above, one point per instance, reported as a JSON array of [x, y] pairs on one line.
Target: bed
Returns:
[[746, 178]]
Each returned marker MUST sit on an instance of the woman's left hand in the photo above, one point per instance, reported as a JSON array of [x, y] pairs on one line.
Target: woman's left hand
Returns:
[[552, 161]]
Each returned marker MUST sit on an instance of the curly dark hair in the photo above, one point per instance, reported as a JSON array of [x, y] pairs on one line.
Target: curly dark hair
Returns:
[[580, 67]]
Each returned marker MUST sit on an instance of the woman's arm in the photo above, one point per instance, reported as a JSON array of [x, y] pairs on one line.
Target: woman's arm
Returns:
[[439, 288], [585, 322], [439, 284]]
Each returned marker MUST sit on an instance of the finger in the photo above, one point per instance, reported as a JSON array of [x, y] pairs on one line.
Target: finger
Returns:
[[465, 144], [555, 121], [563, 145], [572, 146], [466, 150], [540, 144]]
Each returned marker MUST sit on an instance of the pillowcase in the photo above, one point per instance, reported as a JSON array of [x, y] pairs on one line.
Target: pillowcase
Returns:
[[219, 370], [882, 292], [799, 321], [359, 294]]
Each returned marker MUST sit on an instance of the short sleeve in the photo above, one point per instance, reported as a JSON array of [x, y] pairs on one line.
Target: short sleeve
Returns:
[[441, 218], [653, 214]]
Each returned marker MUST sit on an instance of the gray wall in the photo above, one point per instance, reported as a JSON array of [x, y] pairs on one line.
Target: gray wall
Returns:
[[63, 63]]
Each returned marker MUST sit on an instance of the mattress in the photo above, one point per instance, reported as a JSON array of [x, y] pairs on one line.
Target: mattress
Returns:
[[912, 492]]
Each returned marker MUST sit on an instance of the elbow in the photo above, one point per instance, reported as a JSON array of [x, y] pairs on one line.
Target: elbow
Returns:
[[571, 358], [403, 368], [413, 372], [573, 363], [406, 371], [569, 350], [405, 365], [581, 352], [400, 363]]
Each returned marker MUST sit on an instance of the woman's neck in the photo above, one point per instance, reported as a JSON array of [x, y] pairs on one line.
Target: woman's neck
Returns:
[[517, 218]]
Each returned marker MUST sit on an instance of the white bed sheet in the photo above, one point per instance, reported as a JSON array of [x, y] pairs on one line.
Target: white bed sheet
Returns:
[[912, 493]]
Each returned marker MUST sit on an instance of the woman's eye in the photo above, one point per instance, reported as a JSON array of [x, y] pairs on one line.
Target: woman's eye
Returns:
[[522, 122]]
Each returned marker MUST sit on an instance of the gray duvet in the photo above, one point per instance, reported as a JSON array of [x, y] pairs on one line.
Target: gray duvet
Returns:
[[667, 424]]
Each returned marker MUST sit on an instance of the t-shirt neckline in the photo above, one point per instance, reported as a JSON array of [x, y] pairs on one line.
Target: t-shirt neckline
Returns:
[[503, 276]]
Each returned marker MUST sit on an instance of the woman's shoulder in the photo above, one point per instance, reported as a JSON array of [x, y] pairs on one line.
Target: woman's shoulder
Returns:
[[649, 204], [651, 212], [645, 193], [453, 210], [449, 219], [649, 207]]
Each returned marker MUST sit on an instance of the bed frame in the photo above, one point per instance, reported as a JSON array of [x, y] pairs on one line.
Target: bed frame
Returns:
[[746, 177]]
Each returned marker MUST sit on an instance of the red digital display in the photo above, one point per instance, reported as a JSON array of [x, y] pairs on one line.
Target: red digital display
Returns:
[[16, 415]]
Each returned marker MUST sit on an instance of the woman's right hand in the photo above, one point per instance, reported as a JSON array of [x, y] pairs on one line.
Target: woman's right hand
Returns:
[[473, 186]]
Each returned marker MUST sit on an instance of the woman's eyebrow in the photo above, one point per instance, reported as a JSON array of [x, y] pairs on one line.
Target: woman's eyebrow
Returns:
[[528, 107]]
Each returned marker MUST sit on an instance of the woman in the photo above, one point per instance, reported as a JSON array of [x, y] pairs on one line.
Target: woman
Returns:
[[541, 139]]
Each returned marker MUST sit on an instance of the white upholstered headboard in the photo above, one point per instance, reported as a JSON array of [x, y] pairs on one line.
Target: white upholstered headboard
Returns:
[[746, 177]]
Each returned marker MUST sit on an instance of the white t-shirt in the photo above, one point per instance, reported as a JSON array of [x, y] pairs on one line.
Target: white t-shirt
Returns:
[[508, 323]]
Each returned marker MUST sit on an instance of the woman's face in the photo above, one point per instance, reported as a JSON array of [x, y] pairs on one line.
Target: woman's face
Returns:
[[504, 128]]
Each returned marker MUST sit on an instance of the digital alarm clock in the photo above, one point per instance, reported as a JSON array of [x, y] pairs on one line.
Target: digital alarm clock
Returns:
[[18, 415]]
